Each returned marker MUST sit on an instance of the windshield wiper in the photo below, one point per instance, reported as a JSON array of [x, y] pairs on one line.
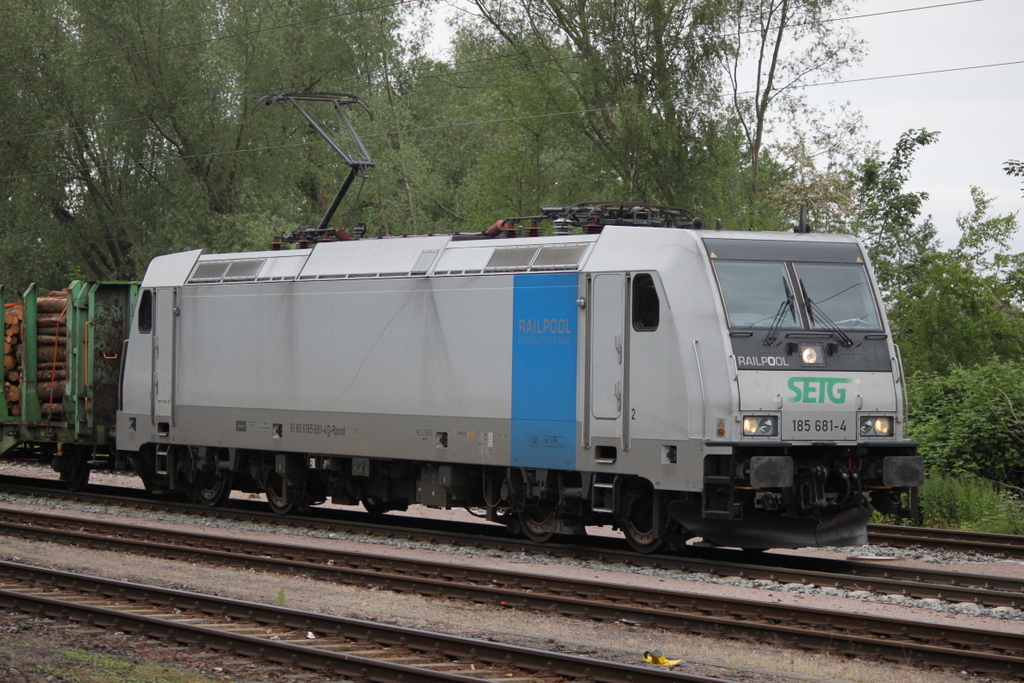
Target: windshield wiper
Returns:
[[813, 308], [785, 307]]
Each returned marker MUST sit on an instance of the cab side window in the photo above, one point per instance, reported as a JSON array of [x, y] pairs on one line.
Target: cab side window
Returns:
[[646, 306], [146, 312]]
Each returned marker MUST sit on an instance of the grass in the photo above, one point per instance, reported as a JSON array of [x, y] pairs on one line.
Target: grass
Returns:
[[83, 666], [44, 660], [969, 503]]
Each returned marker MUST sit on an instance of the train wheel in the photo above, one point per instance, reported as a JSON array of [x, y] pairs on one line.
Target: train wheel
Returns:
[[211, 490], [537, 522], [283, 498], [639, 527], [375, 506]]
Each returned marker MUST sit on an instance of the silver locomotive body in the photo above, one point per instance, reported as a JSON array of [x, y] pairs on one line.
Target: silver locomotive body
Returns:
[[742, 387]]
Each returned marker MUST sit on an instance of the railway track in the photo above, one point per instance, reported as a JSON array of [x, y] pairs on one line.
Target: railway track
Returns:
[[968, 542], [976, 650], [852, 575], [355, 649]]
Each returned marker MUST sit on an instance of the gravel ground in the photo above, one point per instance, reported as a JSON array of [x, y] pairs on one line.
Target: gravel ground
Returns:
[[742, 661]]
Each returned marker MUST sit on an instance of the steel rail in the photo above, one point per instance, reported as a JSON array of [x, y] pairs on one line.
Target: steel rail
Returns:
[[970, 542], [918, 583], [979, 650], [359, 649], [870, 575]]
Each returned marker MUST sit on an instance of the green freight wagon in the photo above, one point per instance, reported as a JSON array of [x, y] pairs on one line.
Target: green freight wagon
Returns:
[[62, 358]]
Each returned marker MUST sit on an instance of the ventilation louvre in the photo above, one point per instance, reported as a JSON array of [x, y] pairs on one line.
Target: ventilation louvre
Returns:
[[560, 257], [511, 258], [243, 270], [210, 271]]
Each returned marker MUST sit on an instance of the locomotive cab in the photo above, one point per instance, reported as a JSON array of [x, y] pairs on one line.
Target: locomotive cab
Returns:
[[817, 430]]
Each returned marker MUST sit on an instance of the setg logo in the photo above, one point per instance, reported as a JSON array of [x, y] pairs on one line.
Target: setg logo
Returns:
[[818, 389]]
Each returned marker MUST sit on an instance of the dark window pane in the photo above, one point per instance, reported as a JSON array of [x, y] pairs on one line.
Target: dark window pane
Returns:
[[646, 307], [146, 312], [756, 294], [838, 293]]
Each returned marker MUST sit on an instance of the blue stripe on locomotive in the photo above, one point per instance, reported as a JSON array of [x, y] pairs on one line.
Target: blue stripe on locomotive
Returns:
[[544, 350]]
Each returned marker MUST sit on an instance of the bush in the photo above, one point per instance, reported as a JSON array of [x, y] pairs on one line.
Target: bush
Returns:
[[970, 421], [970, 503]]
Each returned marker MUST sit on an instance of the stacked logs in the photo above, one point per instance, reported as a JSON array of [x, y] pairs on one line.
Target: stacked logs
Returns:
[[14, 322], [52, 345]]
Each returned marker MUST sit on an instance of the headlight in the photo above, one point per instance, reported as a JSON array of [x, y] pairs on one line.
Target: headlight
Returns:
[[760, 425], [811, 354], [874, 425]]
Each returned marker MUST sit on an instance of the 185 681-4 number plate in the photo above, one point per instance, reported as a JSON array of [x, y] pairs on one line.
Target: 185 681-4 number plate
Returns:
[[815, 427]]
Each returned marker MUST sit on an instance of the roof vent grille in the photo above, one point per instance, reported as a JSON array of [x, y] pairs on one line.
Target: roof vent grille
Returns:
[[511, 258], [560, 257]]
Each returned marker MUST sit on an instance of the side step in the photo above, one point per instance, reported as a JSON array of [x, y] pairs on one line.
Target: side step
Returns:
[[160, 461], [603, 499]]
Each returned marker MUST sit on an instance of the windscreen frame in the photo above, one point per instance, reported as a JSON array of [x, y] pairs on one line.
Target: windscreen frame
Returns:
[[791, 256]]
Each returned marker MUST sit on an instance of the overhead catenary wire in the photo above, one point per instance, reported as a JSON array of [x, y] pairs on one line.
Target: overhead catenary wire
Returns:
[[427, 76], [513, 119], [343, 86], [397, 3], [868, 15]]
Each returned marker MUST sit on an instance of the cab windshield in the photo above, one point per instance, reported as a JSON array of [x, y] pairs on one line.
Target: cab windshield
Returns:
[[756, 292], [837, 294], [779, 294]]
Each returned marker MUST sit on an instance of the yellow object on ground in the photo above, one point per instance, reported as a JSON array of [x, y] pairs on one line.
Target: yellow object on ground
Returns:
[[655, 657]]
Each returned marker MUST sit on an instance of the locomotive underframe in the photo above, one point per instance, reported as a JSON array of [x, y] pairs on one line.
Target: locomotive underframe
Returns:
[[755, 497], [540, 503], [802, 495]]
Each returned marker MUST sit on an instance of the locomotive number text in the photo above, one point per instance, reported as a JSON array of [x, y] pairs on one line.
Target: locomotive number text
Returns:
[[819, 426]]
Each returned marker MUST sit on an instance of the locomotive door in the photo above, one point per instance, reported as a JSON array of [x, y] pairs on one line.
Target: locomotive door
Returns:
[[608, 355], [164, 322]]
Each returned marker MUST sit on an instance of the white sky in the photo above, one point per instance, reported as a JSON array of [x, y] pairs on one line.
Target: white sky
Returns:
[[979, 113]]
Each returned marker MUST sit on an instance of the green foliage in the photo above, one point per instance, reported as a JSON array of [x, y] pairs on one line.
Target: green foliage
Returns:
[[887, 220], [636, 80], [970, 503], [129, 130], [772, 49], [952, 307], [971, 420], [86, 666], [961, 306], [280, 598], [1014, 168]]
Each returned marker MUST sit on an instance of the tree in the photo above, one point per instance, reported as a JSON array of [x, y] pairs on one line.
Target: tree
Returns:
[[887, 218], [828, 196], [1014, 168], [531, 153], [971, 420], [785, 43], [637, 75], [129, 132], [961, 307]]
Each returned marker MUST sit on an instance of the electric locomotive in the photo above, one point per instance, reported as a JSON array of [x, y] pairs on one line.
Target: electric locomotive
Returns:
[[671, 382]]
